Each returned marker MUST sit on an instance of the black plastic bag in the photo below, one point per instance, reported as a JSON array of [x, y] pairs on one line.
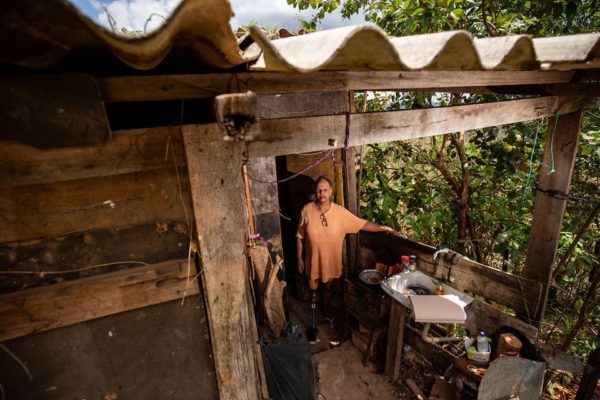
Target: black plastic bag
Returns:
[[288, 366]]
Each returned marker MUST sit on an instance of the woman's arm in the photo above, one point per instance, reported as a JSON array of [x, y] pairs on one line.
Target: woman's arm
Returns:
[[373, 227]]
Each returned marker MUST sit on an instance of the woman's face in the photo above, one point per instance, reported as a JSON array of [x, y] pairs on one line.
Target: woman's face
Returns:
[[323, 192]]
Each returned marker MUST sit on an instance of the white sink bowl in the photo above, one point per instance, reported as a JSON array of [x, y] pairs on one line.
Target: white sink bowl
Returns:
[[448, 308]]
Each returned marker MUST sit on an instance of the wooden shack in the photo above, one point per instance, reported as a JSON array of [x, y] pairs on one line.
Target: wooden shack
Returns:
[[121, 196]]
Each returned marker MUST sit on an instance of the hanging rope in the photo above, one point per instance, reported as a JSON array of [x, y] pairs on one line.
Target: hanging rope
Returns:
[[551, 166], [532, 163]]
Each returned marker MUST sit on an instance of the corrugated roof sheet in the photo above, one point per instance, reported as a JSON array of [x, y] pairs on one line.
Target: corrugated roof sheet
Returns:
[[368, 47], [43, 34]]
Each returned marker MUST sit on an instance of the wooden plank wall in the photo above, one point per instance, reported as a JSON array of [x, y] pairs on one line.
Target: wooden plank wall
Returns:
[[114, 206], [116, 217]]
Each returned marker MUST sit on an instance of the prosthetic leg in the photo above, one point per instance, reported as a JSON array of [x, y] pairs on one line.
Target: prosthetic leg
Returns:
[[311, 332]]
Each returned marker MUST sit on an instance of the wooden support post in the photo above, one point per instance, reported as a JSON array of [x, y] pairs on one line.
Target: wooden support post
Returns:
[[351, 202], [395, 341], [561, 146], [217, 188]]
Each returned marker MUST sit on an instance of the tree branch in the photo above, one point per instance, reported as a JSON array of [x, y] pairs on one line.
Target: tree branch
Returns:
[[489, 27], [443, 168], [565, 258]]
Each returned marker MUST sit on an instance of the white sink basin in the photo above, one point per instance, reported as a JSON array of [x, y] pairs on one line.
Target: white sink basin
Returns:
[[448, 308]]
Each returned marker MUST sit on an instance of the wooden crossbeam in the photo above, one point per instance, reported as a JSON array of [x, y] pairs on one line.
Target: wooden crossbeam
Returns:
[[54, 306], [170, 87], [299, 135]]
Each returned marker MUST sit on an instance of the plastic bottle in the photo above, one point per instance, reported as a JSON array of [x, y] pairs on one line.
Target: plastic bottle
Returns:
[[412, 264], [404, 260], [483, 345], [439, 290]]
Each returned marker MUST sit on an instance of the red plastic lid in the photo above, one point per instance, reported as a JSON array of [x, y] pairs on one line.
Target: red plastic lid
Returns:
[[405, 258]]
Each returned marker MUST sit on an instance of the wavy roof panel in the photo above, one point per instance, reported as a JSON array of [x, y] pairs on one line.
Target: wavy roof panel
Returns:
[[368, 47], [42, 34], [51, 33]]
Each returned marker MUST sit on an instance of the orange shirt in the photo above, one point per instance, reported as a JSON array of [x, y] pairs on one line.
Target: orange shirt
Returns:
[[323, 243]]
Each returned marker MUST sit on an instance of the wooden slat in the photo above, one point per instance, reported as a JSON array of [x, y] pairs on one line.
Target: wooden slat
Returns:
[[516, 292], [49, 307], [165, 87], [61, 208], [485, 317], [217, 193], [298, 135], [395, 341], [149, 243], [548, 211], [127, 151], [292, 105]]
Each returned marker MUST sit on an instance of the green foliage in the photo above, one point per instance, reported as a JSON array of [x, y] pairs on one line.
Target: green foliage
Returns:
[[131, 33], [404, 17]]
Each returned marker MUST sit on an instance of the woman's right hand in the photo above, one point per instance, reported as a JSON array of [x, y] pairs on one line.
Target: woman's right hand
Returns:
[[301, 266]]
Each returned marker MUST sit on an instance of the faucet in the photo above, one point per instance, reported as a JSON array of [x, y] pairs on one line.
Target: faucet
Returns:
[[450, 259]]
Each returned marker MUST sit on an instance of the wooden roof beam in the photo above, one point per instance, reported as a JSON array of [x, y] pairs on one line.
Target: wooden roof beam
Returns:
[[306, 134], [169, 87]]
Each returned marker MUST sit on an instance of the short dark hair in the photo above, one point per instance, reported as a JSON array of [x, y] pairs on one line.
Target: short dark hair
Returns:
[[322, 178]]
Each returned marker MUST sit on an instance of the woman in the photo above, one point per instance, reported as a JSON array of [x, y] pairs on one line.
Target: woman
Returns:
[[321, 231]]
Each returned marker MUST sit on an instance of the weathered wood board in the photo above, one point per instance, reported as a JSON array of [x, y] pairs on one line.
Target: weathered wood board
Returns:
[[300, 135], [395, 341], [217, 191], [156, 352], [61, 208], [127, 151], [164, 87], [49, 307], [301, 104], [149, 243], [559, 152]]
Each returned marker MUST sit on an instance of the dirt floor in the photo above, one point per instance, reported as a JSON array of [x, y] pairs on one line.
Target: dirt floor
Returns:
[[340, 372]]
